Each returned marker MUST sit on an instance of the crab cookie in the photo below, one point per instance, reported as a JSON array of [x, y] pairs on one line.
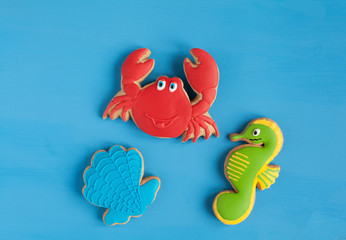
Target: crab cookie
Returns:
[[114, 181], [163, 108], [247, 167]]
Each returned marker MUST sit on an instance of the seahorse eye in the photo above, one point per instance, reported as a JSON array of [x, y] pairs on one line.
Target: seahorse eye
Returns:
[[173, 87], [256, 132], [161, 85]]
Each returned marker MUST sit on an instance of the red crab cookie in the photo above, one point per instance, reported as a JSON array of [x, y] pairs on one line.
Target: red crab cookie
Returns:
[[163, 108]]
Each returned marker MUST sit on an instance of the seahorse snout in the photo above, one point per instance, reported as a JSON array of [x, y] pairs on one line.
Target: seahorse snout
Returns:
[[236, 137]]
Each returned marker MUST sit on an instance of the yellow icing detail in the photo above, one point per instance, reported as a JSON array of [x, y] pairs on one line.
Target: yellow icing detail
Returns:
[[241, 154], [234, 179], [266, 180], [262, 184], [270, 174], [236, 166], [234, 170], [232, 160], [273, 168], [278, 146], [240, 159], [233, 175], [269, 178]]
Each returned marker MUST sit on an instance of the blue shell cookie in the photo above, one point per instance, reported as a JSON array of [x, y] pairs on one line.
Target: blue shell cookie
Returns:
[[114, 181]]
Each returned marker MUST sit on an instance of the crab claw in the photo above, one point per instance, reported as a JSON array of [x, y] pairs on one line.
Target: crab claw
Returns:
[[204, 73], [135, 69], [137, 66], [203, 76]]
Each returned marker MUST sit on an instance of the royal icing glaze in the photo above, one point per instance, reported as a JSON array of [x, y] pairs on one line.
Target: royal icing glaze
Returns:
[[246, 167], [163, 108], [114, 181]]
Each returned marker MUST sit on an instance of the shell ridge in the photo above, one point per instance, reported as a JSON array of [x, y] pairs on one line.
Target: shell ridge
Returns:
[[136, 167], [133, 156], [135, 171], [124, 176], [87, 192], [93, 179], [102, 163], [116, 149], [121, 174], [99, 157], [113, 179], [95, 197], [117, 196], [104, 166]]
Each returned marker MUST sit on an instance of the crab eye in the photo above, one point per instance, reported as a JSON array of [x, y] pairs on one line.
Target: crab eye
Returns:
[[173, 87], [161, 85], [256, 132]]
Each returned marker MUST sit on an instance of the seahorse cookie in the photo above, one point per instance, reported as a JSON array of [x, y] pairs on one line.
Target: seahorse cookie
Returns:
[[163, 108], [114, 181], [247, 167]]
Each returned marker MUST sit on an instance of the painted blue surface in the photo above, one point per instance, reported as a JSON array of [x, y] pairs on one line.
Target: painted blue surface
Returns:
[[60, 66]]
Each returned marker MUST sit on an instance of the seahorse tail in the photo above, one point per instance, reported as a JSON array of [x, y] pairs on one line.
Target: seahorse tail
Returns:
[[232, 208]]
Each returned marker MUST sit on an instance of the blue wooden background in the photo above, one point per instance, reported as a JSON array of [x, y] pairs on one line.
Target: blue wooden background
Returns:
[[60, 66]]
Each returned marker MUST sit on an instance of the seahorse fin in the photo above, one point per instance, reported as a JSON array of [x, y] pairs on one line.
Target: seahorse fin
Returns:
[[266, 176]]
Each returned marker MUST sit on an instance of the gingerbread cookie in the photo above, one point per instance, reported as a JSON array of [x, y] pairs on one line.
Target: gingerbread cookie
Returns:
[[163, 108], [114, 181], [247, 167]]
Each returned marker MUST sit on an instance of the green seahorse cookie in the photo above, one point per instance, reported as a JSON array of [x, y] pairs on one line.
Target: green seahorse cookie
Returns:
[[246, 167]]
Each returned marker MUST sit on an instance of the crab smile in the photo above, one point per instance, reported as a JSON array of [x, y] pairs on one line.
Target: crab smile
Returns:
[[161, 123]]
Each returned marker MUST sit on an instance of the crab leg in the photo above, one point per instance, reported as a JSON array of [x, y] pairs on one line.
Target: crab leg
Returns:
[[113, 115], [124, 115], [115, 100], [188, 132], [205, 127], [211, 122], [196, 130]]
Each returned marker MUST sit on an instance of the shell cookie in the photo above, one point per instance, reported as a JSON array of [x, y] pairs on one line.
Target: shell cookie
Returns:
[[163, 108], [114, 181], [247, 167]]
